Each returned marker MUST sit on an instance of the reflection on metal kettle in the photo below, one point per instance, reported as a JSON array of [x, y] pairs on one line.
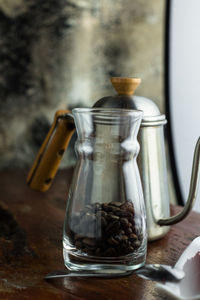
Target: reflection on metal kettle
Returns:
[[151, 159]]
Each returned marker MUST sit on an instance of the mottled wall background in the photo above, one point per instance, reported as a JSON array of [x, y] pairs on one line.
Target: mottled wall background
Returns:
[[61, 53]]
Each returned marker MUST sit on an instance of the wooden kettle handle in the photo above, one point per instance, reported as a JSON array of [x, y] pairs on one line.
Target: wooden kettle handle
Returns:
[[50, 154]]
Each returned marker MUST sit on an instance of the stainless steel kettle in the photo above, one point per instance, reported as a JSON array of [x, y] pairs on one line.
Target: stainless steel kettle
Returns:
[[151, 159]]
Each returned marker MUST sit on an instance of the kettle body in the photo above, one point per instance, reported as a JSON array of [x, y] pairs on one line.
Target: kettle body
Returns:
[[153, 172]]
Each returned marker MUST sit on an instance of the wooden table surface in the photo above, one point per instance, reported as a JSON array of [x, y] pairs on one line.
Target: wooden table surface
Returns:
[[31, 246]]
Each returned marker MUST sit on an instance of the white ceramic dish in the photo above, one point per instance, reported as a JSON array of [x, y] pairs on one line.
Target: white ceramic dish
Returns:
[[189, 287]]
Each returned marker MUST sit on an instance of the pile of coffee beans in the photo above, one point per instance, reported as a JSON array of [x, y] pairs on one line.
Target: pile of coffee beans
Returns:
[[105, 230]]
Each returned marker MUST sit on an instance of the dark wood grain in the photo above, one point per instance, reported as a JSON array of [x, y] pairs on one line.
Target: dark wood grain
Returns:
[[31, 246]]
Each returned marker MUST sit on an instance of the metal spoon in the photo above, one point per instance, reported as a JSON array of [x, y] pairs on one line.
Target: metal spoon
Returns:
[[155, 272]]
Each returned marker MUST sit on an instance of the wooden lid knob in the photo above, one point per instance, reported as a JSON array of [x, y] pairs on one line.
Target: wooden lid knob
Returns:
[[125, 85]]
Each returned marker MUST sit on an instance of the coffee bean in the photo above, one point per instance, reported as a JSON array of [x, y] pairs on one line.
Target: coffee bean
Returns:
[[129, 225], [113, 242], [110, 252], [123, 213], [116, 203], [131, 210], [128, 231], [113, 227], [124, 222], [114, 209], [107, 207], [133, 229], [130, 249], [124, 206], [128, 207], [133, 237], [123, 246], [140, 237], [124, 237], [112, 217], [122, 232]]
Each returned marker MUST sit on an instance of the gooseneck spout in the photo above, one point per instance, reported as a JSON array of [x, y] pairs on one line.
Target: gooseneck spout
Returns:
[[194, 182]]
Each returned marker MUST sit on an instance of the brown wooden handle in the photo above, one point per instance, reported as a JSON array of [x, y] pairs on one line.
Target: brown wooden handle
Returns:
[[50, 154]]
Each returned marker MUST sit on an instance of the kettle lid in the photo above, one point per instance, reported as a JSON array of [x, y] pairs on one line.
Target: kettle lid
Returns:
[[151, 112], [125, 88]]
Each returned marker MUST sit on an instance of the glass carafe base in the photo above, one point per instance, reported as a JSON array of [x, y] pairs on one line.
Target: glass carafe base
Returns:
[[76, 261]]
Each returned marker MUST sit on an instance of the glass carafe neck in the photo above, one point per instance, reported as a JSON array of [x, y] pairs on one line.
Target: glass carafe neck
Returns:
[[116, 124]]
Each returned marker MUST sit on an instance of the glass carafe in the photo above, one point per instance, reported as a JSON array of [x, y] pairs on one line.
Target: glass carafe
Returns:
[[105, 222]]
